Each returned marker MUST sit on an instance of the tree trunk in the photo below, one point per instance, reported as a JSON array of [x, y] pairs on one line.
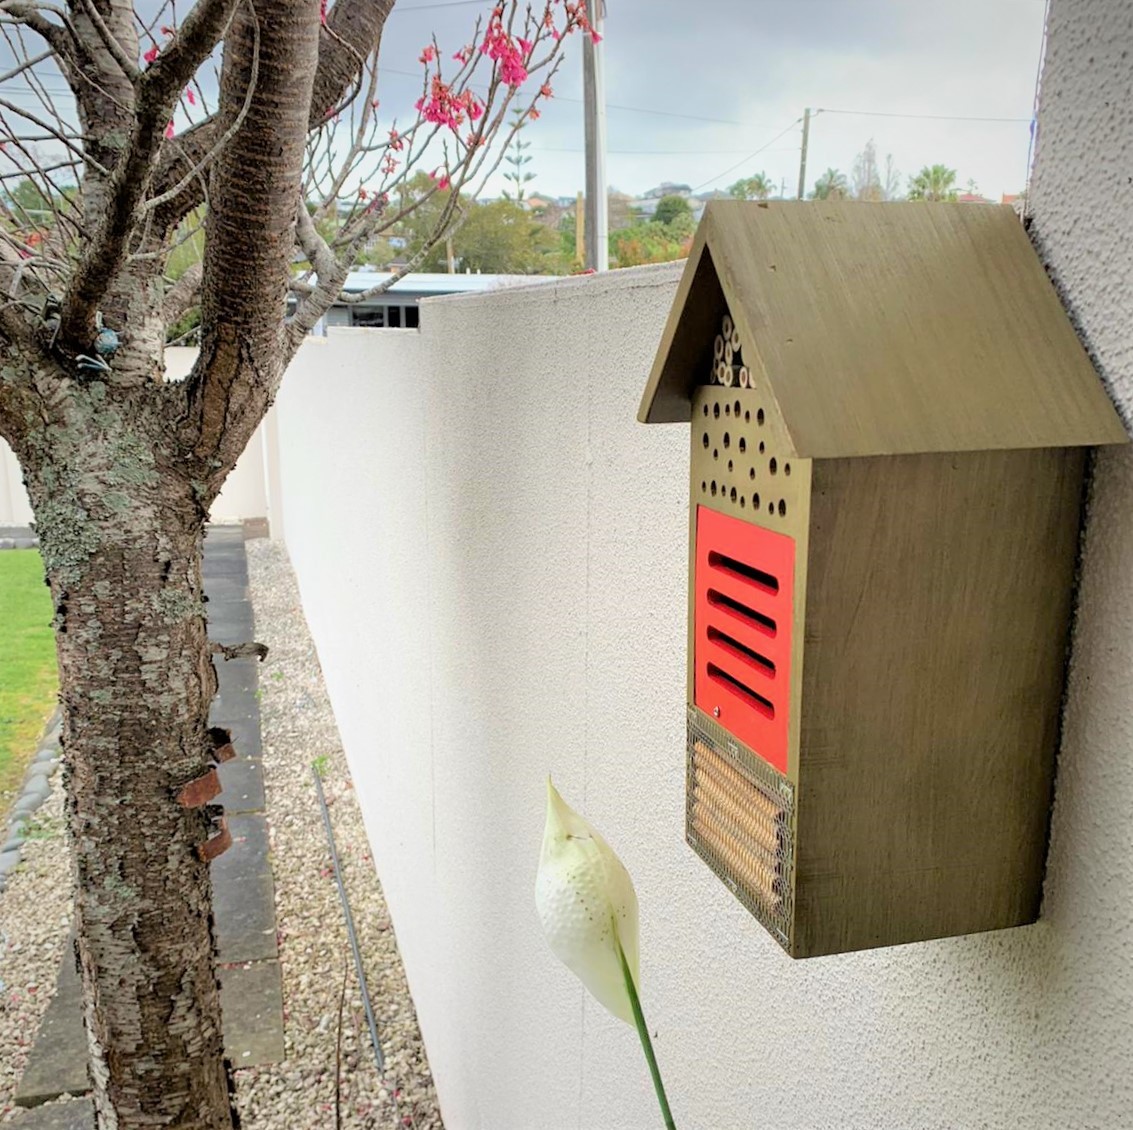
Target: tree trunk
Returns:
[[121, 536]]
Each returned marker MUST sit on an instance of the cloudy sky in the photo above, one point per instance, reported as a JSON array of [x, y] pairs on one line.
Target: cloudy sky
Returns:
[[698, 92]]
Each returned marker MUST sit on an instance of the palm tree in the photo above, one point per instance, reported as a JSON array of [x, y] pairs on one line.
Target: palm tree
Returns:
[[757, 187], [832, 185], [935, 182]]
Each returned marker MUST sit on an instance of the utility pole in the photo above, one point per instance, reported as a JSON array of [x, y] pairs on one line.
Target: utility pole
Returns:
[[802, 155], [594, 97], [579, 231]]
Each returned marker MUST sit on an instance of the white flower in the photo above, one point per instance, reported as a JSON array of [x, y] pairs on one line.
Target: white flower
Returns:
[[587, 905]]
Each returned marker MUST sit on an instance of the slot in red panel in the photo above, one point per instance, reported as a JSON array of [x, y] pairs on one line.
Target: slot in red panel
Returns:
[[744, 584]]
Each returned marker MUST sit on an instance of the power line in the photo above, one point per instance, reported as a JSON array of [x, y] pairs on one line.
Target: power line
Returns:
[[756, 153], [644, 152], [922, 117], [446, 4], [609, 105]]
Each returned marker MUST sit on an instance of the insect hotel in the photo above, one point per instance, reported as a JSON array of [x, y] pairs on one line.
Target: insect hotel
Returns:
[[891, 416]]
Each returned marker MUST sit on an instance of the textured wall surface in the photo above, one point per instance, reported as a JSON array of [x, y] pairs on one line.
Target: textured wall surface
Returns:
[[492, 556]]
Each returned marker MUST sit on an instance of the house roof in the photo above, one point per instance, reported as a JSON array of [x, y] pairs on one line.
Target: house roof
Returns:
[[884, 329], [423, 283]]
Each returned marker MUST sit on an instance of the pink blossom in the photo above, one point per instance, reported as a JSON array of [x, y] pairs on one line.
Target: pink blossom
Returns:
[[323, 11], [546, 91], [151, 54], [396, 141], [190, 95], [168, 31], [428, 54], [169, 129], [533, 113], [526, 46]]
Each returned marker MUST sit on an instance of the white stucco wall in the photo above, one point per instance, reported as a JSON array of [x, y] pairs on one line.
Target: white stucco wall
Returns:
[[492, 556], [244, 494]]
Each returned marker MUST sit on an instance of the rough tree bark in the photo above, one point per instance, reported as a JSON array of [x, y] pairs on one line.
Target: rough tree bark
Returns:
[[122, 466]]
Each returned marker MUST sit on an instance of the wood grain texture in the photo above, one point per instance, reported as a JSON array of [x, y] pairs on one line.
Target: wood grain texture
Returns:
[[937, 613], [886, 329]]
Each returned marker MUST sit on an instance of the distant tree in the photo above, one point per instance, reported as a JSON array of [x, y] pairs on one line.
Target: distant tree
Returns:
[[651, 242], [671, 208], [619, 209], [933, 182], [866, 179], [517, 158], [832, 185], [757, 187], [503, 238]]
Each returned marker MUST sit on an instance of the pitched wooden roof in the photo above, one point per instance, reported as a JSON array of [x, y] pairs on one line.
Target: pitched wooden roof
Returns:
[[885, 329]]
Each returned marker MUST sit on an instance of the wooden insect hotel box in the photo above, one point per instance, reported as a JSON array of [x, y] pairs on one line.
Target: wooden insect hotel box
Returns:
[[891, 415]]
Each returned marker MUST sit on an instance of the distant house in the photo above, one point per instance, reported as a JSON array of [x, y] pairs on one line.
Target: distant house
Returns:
[[396, 308]]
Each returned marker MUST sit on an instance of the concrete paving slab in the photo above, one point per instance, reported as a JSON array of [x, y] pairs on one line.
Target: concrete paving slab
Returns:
[[242, 783], [58, 1062], [252, 999], [244, 894], [77, 1115], [237, 676]]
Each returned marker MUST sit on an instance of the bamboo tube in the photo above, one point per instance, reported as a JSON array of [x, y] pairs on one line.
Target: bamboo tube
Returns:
[[752, 794], [745, 377], [727, 376], [727, 326], [728, 353], [734, 339], [718, 348]]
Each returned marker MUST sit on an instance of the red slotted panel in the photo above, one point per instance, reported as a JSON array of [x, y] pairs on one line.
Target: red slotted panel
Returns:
[[745, 578]]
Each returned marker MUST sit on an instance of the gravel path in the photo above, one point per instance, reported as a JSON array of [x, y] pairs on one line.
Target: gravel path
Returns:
[[298, 728]]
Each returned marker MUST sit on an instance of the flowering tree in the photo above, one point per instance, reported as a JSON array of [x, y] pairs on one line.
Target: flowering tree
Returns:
[[255, 119]]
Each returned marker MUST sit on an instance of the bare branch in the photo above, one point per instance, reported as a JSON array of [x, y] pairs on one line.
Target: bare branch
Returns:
[[111, 43], [254, 190], [157, 91], [352, 32], [182, 295]]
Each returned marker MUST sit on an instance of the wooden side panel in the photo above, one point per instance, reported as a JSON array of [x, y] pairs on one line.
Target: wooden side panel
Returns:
[[939, 592]]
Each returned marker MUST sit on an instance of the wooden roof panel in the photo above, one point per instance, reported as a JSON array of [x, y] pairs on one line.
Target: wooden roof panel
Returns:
[[886, 329]]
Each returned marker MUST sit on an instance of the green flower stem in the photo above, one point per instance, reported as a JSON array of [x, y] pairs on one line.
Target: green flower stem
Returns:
[[646, 1043]]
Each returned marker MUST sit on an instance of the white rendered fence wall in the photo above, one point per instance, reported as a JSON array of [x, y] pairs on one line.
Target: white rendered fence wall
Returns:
[[493, 560]]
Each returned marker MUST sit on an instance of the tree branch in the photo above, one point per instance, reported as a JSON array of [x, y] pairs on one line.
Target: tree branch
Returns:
[[157, 91], [352, 32], [253, 190], [182, 294]]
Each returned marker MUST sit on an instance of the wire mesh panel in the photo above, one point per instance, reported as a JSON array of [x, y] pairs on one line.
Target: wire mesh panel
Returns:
[[740, 820]]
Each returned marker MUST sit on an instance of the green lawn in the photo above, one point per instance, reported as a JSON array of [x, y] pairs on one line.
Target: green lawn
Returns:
[[28, 680]]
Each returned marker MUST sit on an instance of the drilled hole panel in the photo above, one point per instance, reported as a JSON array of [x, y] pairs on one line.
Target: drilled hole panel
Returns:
[[740, 819], [741, 462]]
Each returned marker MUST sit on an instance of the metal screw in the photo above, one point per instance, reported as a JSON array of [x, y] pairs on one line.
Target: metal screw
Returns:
[[716, 712]]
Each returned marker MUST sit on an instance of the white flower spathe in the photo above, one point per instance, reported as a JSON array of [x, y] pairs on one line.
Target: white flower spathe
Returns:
[[587, 904]]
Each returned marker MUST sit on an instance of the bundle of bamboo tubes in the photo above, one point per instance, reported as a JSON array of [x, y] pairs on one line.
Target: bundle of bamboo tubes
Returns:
[[727, 364]]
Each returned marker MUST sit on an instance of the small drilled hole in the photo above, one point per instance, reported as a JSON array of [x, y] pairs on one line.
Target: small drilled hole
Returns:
[[705, 439], [755, 502], [751, 474], [782, 509], [730, 465], [759, 417], [727, 409], [762, 447], [773, 467], [713, 488], [737, 408], [747, 417], [727, 440], [743, 445], [786, 468], [703, 487], [733, 494], [715, 453], [706, 410], [743, 502], [716, 411]]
